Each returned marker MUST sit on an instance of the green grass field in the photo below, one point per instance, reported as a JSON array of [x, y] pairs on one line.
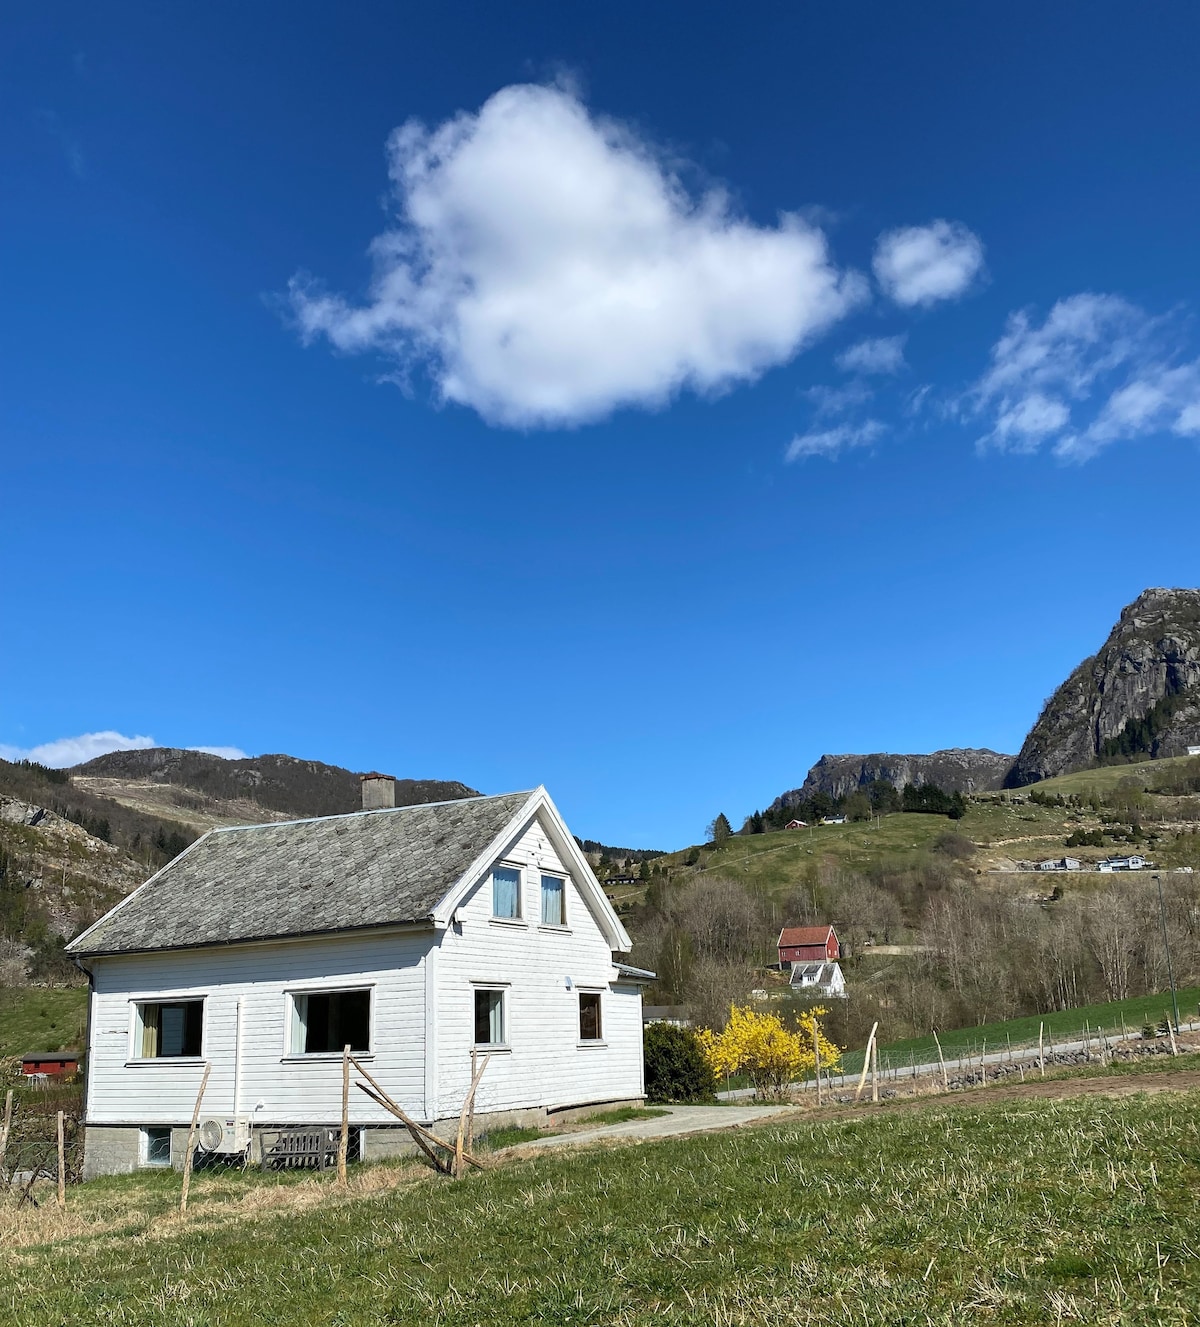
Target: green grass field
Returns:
[[1061, 1025], [33, 1019], [1078, 1210], [1107, 777]]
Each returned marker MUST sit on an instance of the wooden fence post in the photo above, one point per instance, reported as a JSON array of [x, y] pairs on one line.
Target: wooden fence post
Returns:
[[983, 1065], [344, 1137], [468, 1112], [874, 1071], [1042, 1048], [942, 1062], [62, 1164], [1171, 1034], [4, 1128], [191, 1140], [862, 1080], [817, 1059]]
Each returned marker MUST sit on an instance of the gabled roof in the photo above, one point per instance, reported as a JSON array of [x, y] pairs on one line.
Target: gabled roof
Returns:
[[338, 873], [791, 936]]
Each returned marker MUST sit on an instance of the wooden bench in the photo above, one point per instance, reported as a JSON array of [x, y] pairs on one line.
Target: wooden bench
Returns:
[[309, 1148]]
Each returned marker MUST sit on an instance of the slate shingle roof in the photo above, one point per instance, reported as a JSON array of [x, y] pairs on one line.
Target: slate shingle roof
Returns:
[[371, 868]]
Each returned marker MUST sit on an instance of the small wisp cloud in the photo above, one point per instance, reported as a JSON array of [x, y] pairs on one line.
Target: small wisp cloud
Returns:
[[63, 752], [546, 266], [918, 266]]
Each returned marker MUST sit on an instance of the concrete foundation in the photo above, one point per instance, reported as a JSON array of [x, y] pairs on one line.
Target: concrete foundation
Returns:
[[118, 1149]]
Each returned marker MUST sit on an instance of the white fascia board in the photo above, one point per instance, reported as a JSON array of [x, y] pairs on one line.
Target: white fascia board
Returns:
[[540, 804]]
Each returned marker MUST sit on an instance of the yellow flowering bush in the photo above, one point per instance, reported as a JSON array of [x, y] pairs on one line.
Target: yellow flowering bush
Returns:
[[769, 1054]]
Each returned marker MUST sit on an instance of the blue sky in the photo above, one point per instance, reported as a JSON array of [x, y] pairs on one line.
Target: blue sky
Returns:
[[639, 402]]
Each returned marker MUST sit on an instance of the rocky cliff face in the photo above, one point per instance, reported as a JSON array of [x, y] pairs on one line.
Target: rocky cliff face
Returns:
[[1139, 696], [969, 769]]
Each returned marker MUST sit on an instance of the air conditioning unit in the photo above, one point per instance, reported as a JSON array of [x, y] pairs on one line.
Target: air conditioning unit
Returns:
[[224, 1135]]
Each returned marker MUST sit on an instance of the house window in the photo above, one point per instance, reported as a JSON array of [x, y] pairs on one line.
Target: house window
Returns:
[[170, 1030], [489, 1018], [553, 889], [589, 1016], [156, 1147], [506, 892], [328, 1021]]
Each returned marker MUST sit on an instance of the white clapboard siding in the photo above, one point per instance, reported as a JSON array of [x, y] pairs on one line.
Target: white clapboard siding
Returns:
[[301, 1089], [542, 970]]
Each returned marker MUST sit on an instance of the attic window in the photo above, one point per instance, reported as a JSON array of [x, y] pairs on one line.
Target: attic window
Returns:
[[170, 1030], [506, 892], [327, 1021], [552, 901]]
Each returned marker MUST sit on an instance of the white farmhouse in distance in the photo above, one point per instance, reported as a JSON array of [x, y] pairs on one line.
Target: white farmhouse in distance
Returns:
[[415, 935]]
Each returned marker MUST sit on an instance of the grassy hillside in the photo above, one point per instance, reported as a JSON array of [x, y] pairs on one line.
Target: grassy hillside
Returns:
[[32, 1019], [1106, 778], [1021, 1211]]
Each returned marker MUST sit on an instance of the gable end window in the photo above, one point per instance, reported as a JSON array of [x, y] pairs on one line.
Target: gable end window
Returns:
[[553, 903], [506, 892], [489, 1018], [169, 1029], [589, 1016], [326, 1021]]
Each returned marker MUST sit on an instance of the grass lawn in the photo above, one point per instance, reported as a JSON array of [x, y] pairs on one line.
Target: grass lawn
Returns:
[[1062, 1025], [33, 1019], [1079, 1210]]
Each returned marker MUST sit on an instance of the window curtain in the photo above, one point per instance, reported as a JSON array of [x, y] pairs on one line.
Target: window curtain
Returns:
[[552, 901], [505, 889]]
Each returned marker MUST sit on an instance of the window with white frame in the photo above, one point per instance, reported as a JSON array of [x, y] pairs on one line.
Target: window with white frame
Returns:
[[590, 1028], [554, 889], [327, 1021], [490, 1029], [506, 892], [169, 1029], [156, 1146]]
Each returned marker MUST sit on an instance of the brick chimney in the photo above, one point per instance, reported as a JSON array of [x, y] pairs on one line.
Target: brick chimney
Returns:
[[378, 792]]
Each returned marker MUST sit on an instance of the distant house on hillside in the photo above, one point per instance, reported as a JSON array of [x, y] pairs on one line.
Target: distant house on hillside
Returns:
[[422, 937], [833, 820], [808, 944], [1133, 862], [1060, 864], [1193, 750], [819, 979], [796, 824], [50, 1064]]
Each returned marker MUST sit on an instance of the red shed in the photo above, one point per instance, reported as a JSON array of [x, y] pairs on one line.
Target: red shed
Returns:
[[808, 944], [59, 1064]]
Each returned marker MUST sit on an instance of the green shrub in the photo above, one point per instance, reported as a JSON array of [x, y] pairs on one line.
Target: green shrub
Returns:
[[676, 1067]]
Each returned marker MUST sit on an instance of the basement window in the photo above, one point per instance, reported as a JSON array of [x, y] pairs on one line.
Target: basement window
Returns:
[[156, 1146], [324, 1022], [170, 1030]]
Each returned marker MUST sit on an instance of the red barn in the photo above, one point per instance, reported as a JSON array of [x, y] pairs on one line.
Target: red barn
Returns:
[[59, 1064], [808, 944]]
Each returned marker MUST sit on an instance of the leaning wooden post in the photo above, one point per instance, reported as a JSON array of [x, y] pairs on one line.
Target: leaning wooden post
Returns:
[[62, 1164], [1171, 1034], [942, 1062], [875, 1071], [4, 1129], [1042, 1048], [191, 1140], [862, 1079], [344, 1138], [471, 1112], [817, 1059], [468, 1113]]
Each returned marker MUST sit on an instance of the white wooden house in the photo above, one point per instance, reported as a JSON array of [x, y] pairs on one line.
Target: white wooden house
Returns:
[[413, 934]]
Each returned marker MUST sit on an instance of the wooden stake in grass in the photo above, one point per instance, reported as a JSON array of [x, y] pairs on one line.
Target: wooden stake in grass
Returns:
[[1171, 1034], [62, 1164], [862, 1080], [942, 1062], [983, 1065], [191, 1140], [468, 1112], [875, 1071], [344, 1137], [1042, 1048], [4, 1128]]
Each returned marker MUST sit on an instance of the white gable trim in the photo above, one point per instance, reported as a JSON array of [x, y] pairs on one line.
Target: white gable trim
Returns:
[[540, 806]]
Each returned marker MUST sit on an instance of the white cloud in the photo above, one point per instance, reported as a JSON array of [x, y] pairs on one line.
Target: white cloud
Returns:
[[830, 442], [920, 265], [66, 751], [881, 354], [225, 752], [548, 267], [1096, 371]]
